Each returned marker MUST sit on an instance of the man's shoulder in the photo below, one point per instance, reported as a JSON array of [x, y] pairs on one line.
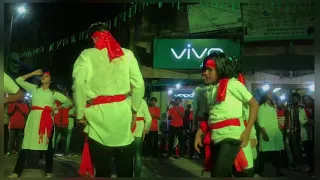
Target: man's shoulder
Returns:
[[88, 51]]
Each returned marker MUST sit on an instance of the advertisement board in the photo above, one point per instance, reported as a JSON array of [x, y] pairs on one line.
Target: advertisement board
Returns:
[[189, 53]]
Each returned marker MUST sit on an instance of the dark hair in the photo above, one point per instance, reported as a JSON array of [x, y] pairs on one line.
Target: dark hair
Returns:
[[264, 98], [53, 86], [189, 105], [98, 26], [153, 99], [178, 99], [296, 95], [308, 97], [227, 67]]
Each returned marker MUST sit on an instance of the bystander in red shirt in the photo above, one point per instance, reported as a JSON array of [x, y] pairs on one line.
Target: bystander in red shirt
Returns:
[[18, 112], [176, 119], [155, 112], [281, 118]]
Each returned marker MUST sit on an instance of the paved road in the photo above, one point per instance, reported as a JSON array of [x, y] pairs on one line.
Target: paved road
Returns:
[[68, 167]]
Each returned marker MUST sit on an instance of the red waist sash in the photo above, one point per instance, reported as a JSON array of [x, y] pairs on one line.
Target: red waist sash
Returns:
[[107, 99], [46, 123], [135, 125], [240, 162]]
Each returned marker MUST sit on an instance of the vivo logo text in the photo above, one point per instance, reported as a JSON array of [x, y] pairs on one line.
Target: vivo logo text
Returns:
[[191, 51], [184, 95]]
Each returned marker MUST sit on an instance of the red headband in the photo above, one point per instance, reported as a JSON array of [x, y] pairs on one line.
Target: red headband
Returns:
[[47, 73], [211, 63], [104, 39]]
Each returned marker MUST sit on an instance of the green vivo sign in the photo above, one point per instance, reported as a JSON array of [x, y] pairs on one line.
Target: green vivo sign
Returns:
[[189, 53]]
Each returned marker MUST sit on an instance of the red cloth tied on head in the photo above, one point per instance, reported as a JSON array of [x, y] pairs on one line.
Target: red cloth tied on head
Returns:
[[47, 73], [104, 39], [222, 89], [211, 63]]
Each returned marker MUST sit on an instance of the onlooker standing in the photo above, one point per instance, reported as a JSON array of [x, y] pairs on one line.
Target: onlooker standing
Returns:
[[152, 136], [176, 114], [294, 132], [18, 113], [306, 118], [271, 139]]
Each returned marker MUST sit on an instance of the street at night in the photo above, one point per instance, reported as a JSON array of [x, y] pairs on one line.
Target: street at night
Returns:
[[159, 89], [67, 166]]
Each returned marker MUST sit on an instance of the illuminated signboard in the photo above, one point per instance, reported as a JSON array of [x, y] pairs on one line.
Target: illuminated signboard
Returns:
[[184, 95], [189, 53]]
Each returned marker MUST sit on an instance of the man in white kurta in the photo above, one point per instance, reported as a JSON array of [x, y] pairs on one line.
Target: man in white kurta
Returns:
[[12, 90], [271, 138], [97, 77], [142, 127]]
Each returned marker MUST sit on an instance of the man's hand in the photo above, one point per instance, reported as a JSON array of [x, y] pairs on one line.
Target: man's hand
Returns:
[[37, 72], [244, 138], [82, 121], [253, 142], [198, 140], [144, 133]]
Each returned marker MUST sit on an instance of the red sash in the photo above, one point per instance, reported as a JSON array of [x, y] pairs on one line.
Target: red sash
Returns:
[[308, 113], [46, 123], [86, 166], [240, 163], [135, 124]]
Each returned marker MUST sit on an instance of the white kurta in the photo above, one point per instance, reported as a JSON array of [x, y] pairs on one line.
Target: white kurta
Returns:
[[10, 86], [199, 101], [253, 132], [306, 128], [146, 123], [95, 75], [232, 107], [267, 118], [40, 98], [71, 119]]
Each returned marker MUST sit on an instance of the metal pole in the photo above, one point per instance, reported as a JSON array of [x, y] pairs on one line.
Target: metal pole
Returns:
[[9, 42]]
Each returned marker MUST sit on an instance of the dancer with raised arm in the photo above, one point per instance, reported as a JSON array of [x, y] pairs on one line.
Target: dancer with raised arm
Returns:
[[103, 75], [39, 128], [225, 127]]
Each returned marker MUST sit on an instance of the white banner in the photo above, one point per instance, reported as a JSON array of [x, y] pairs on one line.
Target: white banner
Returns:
[[274, 21], [214, 16]]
